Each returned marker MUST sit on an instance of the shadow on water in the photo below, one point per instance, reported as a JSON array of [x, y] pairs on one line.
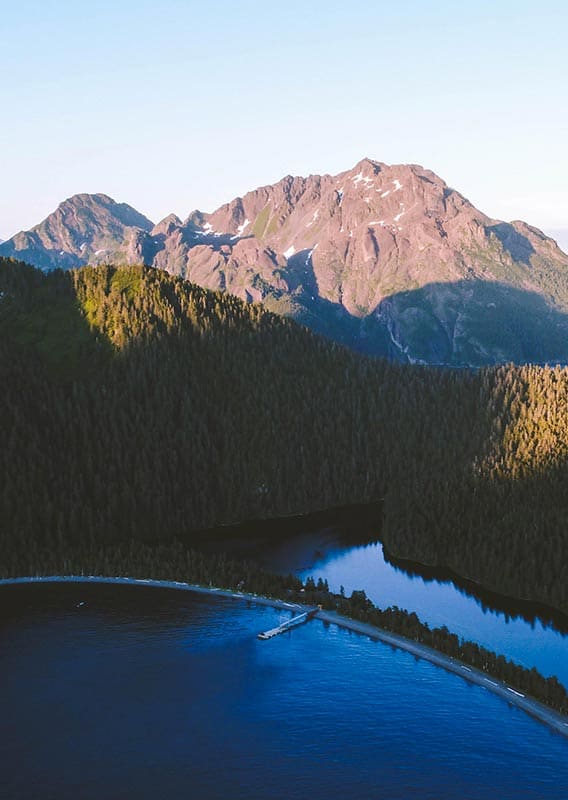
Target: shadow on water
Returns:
[[344, 526], [486, 599], [295, 544]]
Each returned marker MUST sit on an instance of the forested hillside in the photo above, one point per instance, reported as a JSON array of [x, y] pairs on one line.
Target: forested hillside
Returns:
[[136, 406]]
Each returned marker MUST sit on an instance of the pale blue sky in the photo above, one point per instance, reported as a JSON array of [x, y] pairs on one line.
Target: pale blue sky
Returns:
[[182, 105]]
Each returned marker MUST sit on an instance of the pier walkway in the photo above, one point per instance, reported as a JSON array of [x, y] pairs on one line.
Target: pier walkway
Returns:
[[289, 624]]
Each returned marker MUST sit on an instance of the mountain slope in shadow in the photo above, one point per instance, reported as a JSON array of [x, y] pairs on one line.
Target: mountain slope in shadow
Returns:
[[467, 323]]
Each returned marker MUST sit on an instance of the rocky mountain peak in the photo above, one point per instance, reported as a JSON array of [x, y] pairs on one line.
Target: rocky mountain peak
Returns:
[[366, 168], [166, 226], [85, 228], [84, 209], [386, 258], [383, 257]]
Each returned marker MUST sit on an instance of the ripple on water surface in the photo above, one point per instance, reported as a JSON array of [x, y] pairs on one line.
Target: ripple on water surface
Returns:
[[153, 693]]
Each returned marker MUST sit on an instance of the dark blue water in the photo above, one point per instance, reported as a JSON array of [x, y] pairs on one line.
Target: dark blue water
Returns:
[[151, 693]]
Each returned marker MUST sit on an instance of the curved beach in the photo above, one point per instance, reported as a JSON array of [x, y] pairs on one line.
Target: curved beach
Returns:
[[553, 719]]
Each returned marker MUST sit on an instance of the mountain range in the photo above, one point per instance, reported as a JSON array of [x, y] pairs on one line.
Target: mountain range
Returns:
[[389, 260]]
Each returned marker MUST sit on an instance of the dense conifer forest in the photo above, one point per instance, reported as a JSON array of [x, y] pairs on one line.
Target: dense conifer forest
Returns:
[[135, 407]]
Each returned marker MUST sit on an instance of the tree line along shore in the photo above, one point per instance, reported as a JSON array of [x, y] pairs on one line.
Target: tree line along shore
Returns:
[[174, 562]]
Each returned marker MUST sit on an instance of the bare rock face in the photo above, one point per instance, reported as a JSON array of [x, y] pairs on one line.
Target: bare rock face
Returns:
[[386, 259], [85, 229]]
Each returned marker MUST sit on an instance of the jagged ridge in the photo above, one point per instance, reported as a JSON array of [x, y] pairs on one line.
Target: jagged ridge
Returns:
[[387, 259]]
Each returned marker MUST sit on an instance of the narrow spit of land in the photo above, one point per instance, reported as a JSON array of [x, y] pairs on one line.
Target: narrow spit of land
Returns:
[[554, 720]]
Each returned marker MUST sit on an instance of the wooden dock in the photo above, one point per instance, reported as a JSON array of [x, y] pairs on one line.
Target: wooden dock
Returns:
[[289, 624]]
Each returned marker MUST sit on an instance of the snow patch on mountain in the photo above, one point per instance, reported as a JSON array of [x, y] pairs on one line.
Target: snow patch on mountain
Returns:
[[360, 177], [313, 219]]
